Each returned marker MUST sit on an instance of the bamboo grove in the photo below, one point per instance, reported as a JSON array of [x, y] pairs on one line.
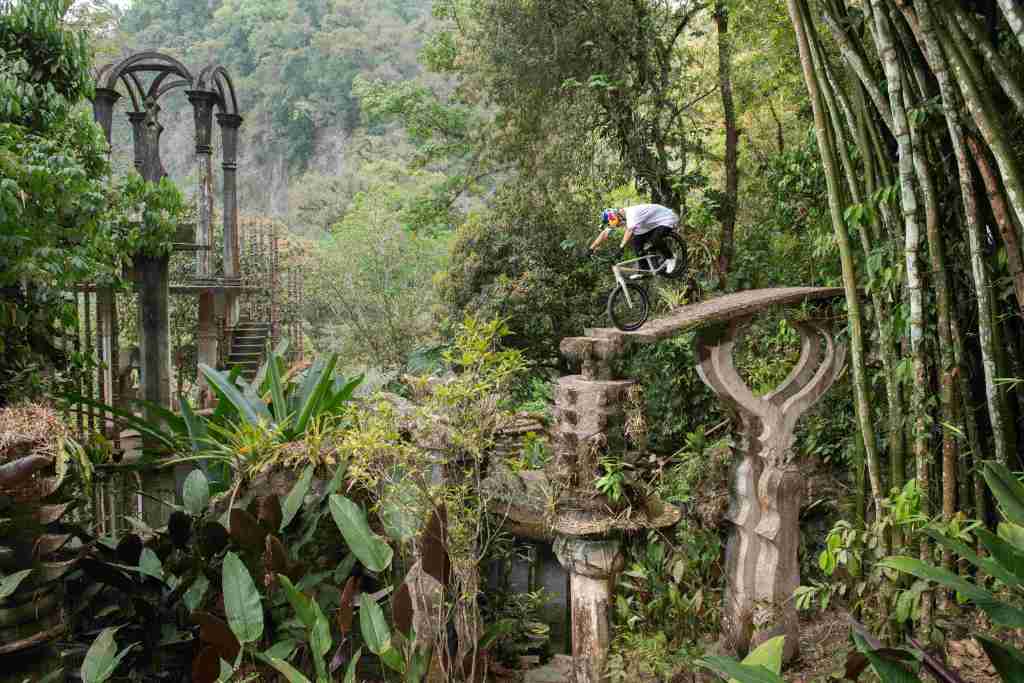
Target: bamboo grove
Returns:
[[919, 117]]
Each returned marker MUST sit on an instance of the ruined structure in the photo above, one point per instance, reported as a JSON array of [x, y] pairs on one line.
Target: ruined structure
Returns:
[[761, 557]]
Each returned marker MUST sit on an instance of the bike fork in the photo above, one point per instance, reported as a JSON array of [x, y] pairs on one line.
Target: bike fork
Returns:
[[622, 285]]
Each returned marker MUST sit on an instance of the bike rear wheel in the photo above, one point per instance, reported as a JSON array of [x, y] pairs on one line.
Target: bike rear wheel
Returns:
[[628, 315], [676, 245]]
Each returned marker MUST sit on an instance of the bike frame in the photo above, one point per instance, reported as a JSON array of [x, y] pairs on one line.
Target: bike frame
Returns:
[[620, 270]]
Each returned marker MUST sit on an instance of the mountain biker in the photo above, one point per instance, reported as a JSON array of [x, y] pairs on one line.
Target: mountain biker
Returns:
[[646, 227]]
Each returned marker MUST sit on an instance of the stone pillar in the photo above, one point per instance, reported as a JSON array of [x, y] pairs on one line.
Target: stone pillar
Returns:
[[761, 563], [103, 109], [206, 331], [229, 124], [592, 566], [138, 121], [202, 108]]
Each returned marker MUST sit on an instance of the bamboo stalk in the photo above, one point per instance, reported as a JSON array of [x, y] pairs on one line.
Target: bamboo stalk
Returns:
[[912, 236], [1009, 81], [845, 254], [966, 71], [980, 273], [1014, 14]]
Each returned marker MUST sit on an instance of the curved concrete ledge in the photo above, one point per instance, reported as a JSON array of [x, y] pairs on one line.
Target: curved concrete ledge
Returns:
[[717, 310]]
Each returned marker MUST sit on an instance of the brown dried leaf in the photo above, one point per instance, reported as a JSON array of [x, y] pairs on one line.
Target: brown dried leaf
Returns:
[[246, 531], [215, 632], [270, 514], [206, 665], [345, 606], [275, 559]]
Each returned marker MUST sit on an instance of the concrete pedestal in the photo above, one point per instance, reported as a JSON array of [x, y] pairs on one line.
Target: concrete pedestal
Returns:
[[592, 566]]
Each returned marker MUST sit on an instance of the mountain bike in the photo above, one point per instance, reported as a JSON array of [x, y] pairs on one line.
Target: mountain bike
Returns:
[[628, 302]]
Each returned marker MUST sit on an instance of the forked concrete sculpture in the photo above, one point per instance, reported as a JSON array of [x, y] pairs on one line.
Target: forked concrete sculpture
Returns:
[[761, 556]]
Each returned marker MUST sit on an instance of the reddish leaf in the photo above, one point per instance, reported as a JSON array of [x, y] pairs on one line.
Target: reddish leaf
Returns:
[[275, 559], [215, 632], [344, 612], [246, 531], [270, 514], [434, 547], [206, 666], [213, 538], [401, 609]]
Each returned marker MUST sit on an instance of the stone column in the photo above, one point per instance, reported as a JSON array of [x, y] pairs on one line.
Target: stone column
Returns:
[[229, 124], [206, 332], [761, 555], [103, 109], [592, 566]]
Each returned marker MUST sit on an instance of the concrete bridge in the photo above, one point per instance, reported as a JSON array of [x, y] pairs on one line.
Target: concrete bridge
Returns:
[[761, 555]]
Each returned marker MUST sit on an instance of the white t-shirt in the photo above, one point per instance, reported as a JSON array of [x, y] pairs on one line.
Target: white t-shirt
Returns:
[[645, 217]]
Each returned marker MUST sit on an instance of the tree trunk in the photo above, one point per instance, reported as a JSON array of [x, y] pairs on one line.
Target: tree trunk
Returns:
[[730, 205], [828, 159]]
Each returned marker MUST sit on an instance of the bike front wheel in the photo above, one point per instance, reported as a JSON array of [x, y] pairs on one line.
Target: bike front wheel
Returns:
[[628, 315], [676, 245]]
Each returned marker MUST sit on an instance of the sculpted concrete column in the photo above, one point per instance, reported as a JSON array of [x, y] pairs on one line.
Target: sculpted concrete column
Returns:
[[592, 566], [206, 334], [761, 555], [229, 124]]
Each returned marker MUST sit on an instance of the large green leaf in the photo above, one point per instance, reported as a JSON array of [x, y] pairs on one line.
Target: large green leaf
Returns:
[[224, 409], [196, 493], [241, 600], [335, 484], [1008, 661], [10, 583], [342, 395], [293, 501], [287, 670], [150, 564], [768, 654], [1008, 557], [144, 427], [310, 402], [302, 605], [1007, 490], [196, 592], [743, 673], [371, 549], [277, 391], [374, 628], [350, 672], [320, 641], [1001, 612], [196, 427], [103, 658], [251, 411], [1012, 534], [987, 564]]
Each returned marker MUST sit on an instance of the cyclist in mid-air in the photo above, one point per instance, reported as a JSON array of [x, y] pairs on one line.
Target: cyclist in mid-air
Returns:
[[646, 227]]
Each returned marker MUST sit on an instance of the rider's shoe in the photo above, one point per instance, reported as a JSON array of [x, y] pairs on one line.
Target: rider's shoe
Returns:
[[637, 276], [670, 265]]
